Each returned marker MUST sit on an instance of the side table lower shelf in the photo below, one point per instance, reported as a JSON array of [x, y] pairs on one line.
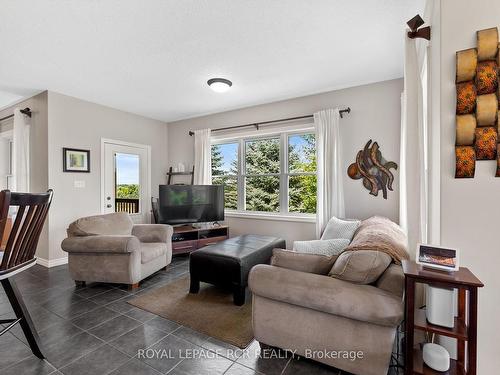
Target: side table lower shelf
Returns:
[[459, 330], [420, 368]]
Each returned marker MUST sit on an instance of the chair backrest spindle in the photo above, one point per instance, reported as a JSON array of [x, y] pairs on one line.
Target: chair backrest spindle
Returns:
[[23, 239]]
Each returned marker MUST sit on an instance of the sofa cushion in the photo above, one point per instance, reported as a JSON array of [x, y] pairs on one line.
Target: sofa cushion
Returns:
[[340, 228], [118, 223], [360, 267], [100, 244], [365, 303], [392, 280], [321, 247], [313, 263], [380, 233], [152, 250]]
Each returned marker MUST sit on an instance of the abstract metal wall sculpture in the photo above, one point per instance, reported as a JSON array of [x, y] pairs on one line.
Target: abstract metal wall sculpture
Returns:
[[373, 169], [477, 104]]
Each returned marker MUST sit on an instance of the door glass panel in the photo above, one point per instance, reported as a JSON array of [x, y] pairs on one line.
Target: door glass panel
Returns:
[[127, 183]]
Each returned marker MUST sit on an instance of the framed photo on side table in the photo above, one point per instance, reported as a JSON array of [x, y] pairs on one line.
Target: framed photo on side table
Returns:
[[75, 160], [438, 257]]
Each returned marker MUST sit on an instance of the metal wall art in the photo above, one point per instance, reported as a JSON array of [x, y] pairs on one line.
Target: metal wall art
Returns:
[[373, 169], [477, 104]]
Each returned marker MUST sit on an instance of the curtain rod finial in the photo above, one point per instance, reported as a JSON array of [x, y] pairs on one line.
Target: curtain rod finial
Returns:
[[26, 111], [342, 111], [415, 31]]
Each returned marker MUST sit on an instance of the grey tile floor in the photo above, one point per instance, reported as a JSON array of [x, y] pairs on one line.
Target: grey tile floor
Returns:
[[93, 330]]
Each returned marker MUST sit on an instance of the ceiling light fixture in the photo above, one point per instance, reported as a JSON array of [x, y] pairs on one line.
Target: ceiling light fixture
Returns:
[[219, 84]]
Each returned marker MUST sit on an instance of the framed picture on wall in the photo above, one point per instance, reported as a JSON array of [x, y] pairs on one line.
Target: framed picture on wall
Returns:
[[75, 160]]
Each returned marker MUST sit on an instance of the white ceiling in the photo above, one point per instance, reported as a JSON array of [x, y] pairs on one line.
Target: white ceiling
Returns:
[[154, 57]]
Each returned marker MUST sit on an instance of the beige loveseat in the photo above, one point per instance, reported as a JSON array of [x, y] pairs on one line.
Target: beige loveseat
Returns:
[[110, 248], [297, 306]]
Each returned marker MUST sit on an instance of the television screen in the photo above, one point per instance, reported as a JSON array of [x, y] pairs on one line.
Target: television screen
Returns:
[[182, 204]]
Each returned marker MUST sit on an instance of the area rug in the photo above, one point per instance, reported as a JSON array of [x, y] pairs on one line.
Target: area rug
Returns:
[[211, 311]]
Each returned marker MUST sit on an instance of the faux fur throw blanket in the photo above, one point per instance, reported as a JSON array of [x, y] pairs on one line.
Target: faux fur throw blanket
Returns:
[[381, 234]]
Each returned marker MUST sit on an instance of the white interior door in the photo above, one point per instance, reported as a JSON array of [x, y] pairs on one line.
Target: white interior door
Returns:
[[126, 180], [6, 148]]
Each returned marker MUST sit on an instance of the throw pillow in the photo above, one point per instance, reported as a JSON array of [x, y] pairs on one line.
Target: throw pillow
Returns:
[[361, 266], [340, 228], [322, 247]]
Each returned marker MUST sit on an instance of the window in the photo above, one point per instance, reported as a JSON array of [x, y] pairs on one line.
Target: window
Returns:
[[274, 174]]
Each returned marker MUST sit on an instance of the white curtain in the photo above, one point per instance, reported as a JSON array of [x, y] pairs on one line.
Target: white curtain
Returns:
[[330, 201], [202, 157], [20, 153], [414, 201]]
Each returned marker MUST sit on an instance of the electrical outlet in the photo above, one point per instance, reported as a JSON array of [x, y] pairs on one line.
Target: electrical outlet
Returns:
[[80, 184]]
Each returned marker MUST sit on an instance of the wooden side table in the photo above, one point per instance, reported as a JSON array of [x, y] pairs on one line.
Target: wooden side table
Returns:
[[465, 329]]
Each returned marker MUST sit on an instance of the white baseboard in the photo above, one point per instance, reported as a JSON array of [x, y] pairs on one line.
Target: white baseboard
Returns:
[[52, 262]]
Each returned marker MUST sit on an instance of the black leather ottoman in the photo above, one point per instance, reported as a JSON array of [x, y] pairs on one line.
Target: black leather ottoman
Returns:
[[228, 263]]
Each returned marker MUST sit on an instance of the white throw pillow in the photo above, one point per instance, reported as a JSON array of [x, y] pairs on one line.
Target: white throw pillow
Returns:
[[321, 247], [340, 228]]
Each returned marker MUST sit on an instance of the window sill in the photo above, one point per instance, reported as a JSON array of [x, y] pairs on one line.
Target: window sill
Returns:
[[270, 216]]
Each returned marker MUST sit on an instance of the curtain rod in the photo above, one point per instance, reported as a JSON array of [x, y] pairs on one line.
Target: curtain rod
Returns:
[[257, 124], [26, 111]]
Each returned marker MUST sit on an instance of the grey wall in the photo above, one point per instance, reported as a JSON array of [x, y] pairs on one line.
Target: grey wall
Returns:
[[470, 208], [375, 115], [79, 124], [38, 153]]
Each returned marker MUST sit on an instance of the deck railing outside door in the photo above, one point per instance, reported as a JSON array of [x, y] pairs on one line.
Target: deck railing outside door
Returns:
[[130, 206]]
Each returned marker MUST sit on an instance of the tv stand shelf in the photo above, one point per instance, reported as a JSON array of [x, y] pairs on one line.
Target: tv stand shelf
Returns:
[[187, 238]]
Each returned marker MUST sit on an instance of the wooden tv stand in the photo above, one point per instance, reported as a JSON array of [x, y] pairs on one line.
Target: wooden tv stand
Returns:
[[187, 238]]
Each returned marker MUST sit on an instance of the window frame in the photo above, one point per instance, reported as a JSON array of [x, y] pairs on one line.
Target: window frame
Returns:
[[284, 174], [291, 174], [237, 176]]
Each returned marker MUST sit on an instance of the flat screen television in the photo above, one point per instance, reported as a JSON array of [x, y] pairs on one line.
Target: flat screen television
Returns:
[[183, 204]]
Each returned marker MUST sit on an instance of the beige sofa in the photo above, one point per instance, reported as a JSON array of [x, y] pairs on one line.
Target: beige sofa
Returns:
[[110, 248], [297, 306]]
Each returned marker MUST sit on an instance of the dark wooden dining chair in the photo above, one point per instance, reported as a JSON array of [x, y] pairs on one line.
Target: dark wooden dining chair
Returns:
[[19, 254]]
